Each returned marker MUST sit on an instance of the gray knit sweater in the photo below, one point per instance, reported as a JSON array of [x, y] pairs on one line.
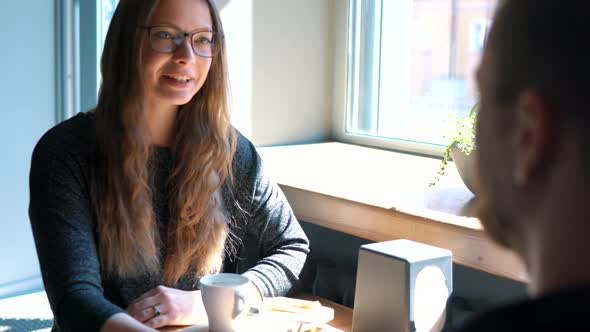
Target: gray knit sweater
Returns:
[[82, 297]]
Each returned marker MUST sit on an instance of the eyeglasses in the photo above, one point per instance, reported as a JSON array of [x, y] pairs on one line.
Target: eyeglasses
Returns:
[[165, 39]]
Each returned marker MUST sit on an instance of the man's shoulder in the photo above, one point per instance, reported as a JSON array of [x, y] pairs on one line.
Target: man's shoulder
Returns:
[[562, 311]]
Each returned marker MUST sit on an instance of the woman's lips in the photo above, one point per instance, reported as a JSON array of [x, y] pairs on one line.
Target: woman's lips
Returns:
[[178, 81]]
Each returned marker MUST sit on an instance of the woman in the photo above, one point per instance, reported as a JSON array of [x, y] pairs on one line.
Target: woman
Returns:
[[134, 201]]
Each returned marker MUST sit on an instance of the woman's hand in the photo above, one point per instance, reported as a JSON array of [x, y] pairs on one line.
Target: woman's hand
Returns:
[[164, 306]]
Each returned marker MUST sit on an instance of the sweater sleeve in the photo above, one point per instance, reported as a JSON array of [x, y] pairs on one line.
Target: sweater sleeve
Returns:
[[282, 244], [61, 221]]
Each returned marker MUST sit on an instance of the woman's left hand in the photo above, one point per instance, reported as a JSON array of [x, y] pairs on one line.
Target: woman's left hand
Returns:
[[164, 306]]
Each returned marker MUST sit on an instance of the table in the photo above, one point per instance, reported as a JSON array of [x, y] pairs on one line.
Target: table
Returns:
[[342, 316]]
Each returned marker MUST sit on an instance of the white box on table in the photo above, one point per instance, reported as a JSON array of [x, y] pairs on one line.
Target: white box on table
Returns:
[[401, 285]]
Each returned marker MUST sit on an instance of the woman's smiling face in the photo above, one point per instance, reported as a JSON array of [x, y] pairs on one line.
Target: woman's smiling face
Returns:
[[172, 79]]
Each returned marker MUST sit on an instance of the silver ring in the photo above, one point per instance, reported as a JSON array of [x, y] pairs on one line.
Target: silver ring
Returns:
[[157, 312]]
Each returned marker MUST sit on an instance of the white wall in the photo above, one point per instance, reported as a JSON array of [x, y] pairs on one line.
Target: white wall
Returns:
[[280, 55], [27, 97]]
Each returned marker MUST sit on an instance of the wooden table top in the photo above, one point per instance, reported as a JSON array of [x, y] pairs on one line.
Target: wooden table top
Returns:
[[342, 318], [342, 314]]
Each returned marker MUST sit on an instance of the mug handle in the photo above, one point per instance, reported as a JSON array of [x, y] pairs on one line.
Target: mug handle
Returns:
[[239, 303]]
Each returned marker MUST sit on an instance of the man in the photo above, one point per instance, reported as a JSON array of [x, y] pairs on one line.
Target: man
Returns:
[[533, 141]]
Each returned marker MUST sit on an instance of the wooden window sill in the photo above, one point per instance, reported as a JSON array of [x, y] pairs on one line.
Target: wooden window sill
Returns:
[[382, 195]]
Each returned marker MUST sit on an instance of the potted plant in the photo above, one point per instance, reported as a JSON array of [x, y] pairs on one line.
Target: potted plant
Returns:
[[461, 148]]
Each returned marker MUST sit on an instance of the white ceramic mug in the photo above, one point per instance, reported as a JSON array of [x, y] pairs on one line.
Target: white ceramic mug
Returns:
[[224, 297]]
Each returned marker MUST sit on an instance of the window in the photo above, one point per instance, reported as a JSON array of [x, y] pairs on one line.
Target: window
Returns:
[[411, 65], [107, 10], [82, 29]]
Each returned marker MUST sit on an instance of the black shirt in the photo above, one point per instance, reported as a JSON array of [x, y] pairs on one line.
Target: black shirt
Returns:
[[81, 296], [567, 310]]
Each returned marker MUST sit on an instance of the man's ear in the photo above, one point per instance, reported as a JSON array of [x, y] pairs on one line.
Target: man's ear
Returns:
[[533, 134]]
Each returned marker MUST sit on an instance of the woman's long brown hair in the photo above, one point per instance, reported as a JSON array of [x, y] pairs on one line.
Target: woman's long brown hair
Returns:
[[128, 239]]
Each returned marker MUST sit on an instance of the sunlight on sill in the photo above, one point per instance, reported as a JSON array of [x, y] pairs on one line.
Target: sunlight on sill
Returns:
[[26, 307], [381, 195], [385, 179]]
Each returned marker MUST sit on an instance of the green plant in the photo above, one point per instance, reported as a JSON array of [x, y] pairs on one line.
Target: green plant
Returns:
[[460, 134]]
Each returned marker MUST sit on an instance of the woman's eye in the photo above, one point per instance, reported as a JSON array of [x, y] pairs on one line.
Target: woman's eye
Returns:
[[163, 35], [203, 41]]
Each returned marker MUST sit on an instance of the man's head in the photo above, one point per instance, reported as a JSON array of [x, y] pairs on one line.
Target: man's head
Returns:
[[534, 81]]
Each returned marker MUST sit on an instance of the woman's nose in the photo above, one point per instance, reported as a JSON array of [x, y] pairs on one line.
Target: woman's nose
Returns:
[[184, 53]]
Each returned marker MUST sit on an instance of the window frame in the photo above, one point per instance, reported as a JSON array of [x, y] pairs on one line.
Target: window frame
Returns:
[[78, 59], [344, 62]]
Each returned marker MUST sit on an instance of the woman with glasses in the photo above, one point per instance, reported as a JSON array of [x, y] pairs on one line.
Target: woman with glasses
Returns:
[[132, 202]]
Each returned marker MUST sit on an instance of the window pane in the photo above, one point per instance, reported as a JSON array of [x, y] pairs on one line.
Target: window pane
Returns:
[[427, 55], [105, 14], [107, 11]]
